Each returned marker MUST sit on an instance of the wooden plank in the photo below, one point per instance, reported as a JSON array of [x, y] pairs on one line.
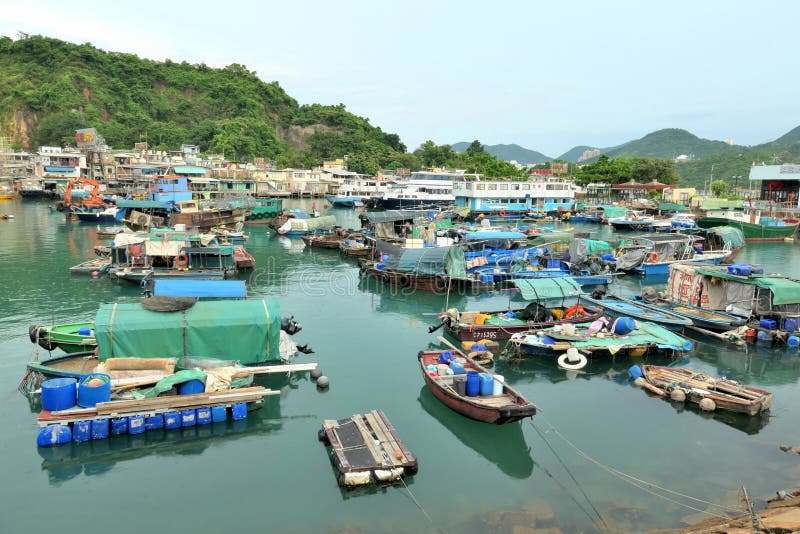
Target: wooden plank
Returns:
[[198, 399], [411, 459], [369, 441], [386, 444], [272, 369]]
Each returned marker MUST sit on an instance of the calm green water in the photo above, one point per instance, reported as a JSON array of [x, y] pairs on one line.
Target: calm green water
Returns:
[[270, 473]]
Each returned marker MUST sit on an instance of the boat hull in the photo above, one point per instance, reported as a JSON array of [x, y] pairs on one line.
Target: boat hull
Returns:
[[752, 232], [662, 268], [623, 308], [469, 332], [410, 203], [344, 201]]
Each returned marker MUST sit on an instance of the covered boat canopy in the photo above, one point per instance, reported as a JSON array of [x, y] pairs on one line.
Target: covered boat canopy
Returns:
[[233, 289], [729, 235], [144, 204], [580, 249], [716, 289], [431, 261], [247, 331], [548, 288]]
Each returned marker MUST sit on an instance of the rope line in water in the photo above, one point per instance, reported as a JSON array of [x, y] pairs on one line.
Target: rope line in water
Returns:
[[549, 446], [414, 499], [641, 484]]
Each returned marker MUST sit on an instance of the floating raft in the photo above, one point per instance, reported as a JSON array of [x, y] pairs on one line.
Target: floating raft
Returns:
[[367, 449]]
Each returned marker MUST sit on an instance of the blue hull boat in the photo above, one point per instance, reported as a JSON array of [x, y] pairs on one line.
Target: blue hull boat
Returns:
[[713, 320], [619, 307]]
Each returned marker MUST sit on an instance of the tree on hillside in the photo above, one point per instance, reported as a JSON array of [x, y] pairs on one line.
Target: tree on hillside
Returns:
[[475, 148], [719, 187], [645, 170], [434, 156], [363, 164]]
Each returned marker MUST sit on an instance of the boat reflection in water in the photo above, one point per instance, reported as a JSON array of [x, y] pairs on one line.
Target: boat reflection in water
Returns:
[[750, 425], [502, 445]]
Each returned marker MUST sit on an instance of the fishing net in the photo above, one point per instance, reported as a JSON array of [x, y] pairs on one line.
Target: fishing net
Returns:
[[168, 304]]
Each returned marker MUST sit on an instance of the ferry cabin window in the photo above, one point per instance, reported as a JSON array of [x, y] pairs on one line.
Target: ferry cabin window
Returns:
[[526, 187], [515, 187], [503, 187], [479, 187], [492, 187]]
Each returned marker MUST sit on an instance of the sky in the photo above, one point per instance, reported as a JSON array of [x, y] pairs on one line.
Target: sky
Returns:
[[545, 75]]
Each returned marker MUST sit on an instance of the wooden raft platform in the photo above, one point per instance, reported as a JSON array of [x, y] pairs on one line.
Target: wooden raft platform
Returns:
[[366, 449]]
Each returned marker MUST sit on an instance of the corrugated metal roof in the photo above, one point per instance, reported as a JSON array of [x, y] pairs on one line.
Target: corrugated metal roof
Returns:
[[775, 172], [188, 170]]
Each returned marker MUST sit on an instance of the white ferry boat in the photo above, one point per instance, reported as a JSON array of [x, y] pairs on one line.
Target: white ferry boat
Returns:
[[356, 189], [514, 197], [424, 189]]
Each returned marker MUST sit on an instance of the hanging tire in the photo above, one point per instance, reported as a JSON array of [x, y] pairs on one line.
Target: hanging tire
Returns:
[[46, 344], [403, 280], [385, 278], [440, 283], [323, 437], [33, 333]]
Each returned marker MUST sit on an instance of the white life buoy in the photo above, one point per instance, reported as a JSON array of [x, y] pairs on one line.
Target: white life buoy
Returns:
[[564, 363]]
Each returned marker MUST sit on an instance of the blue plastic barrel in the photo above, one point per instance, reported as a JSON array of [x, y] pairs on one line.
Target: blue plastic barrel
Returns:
[[790, 324], [89, 396], [623, 326], [119, 426], [136, 424], [457, 367], [473, 384], [487, 384], [445, 356], [58, 393], [687, 345], [769, 324], [172, 420], [793, 341], [219, 414], [607, 257], [81, 431], [188, 417], [203, 416], [100, 428], [477, 347], [634, 371], [239, 411], [191, 387], [86, 331], [53, 435], [154, 422], [764, 336]]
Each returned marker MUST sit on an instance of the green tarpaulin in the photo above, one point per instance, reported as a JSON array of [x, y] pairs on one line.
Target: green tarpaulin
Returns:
[[614, 211], [729, 235], [562, 287], [247, 331], [445, 261]]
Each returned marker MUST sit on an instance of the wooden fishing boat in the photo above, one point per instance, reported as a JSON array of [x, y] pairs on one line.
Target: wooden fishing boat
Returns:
[[99, 265], [76, 365], [726, 394], [357, 245], [507, 407], [324, 240], [243, 259], [620, 307], [423, 282], [716, 321], [71, 338]]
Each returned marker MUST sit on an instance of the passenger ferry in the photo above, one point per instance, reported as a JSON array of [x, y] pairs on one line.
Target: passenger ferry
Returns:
[[539, 195], [424, 189], [356, 189]]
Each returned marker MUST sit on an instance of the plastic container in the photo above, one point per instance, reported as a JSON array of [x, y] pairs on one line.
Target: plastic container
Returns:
[[172, 420], [100, 428], [487, 384], [769, 324], [750, 333], [764, 336], [634, 371], [154, 422], [445, 356], [548, 340], [460, 384], [119, 426], [497, 386], [89, 396], [477, 347], [219, 414], [81, 431], [188, 417], [58, 394], [191, 387], [607, 257], [85, 331], [239, 411], [204, 416], [793, 341], [457, 367], [623, 326], [473, 384], [790, 324], [380, 266], [53, 435], [136, 424]]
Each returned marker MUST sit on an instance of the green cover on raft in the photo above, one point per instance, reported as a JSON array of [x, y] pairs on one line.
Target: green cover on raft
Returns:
[[247, 331]]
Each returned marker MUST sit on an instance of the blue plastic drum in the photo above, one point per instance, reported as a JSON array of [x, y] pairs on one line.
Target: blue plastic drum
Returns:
[[58, 394]]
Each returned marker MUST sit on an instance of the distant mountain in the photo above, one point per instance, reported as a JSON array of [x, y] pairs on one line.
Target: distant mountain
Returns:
[[517, 153], [792, 136], [575, 154], [669, 144]]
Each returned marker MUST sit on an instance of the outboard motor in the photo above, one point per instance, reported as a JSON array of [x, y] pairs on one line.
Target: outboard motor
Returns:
[[290, 326]]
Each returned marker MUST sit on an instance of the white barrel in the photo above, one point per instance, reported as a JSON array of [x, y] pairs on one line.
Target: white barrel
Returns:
[[180, 227], [498, 385]]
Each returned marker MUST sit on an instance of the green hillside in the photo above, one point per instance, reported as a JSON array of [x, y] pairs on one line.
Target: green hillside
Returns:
[[514, 152], [574, 153], [49, 88], [669, 144]]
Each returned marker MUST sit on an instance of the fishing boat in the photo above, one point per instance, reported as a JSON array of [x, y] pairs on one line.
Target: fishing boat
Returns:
[[724, 394], [427, 269], [71, 338], [326, 239], [754, 225], [242, 259], [716, 321], [7, 191], [615, 306], [109, 231], [95, 265], [356, 245], [506, 407], [631, 220], [266, 210], [589, 341], [651, 255], [549, 298], [293, 225], [109, 214]]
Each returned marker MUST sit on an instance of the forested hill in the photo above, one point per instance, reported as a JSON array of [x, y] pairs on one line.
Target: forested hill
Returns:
[[514, 152], [49, 88]]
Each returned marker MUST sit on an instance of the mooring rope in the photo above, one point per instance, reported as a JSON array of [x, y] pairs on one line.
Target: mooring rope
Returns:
[[639, 483], [414, 499]]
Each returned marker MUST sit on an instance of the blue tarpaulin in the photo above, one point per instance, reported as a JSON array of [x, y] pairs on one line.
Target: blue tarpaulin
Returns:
[[200, 288], [494, 235]]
